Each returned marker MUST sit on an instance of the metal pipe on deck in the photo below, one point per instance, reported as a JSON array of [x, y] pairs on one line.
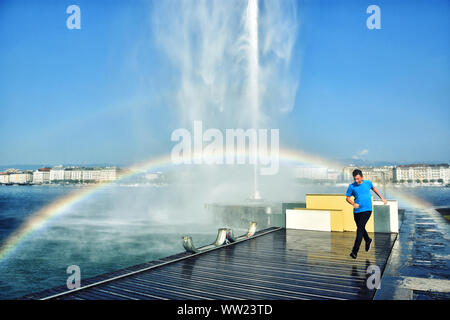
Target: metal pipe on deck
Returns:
[[224, 236], [251, 229], [188, 244]]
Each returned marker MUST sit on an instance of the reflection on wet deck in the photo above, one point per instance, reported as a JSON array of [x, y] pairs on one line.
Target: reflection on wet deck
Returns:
[[281, 264]]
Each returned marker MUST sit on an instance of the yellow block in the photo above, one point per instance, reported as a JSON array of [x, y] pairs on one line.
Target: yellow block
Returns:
[[337, 220], [337, 201], [336, 217]]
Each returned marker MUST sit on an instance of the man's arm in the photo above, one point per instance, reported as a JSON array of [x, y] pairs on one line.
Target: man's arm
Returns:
[[349, 194], [349, 200], [379, 194]]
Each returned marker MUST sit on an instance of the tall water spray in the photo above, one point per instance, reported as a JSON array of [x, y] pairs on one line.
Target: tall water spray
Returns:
[[231, 69], [253, 68]]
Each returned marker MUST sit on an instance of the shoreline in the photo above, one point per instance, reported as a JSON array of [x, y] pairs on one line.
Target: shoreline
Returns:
[[343, 184]]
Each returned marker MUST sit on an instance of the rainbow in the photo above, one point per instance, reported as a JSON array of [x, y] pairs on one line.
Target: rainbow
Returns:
[[39, 219]]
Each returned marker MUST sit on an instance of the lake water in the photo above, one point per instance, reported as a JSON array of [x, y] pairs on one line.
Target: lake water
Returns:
[[116, 227]]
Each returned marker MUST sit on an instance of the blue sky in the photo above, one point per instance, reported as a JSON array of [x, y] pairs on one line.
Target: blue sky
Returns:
[[103, 94]]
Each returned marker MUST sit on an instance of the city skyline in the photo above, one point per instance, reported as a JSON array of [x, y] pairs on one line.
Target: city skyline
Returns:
[[344, 162], [305, 170]]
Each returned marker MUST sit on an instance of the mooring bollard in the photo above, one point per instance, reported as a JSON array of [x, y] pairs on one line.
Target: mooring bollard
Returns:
[[230, 236], [251, 229], [221, 236], [224, 236], [188, 244]]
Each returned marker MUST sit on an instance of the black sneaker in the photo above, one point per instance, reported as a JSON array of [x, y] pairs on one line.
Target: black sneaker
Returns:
[[353, 255], [369, 245]]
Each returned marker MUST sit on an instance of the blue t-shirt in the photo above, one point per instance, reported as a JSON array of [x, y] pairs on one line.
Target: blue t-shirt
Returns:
[[362, 195]]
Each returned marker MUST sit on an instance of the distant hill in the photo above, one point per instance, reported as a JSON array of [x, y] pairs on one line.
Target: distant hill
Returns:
[[368, 163], [37, 166]]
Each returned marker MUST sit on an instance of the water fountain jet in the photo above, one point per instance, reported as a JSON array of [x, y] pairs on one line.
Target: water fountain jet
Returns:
[[253, 74]]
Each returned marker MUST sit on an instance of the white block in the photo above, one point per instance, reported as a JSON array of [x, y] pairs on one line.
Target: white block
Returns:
[[304, 219], [393, 213]]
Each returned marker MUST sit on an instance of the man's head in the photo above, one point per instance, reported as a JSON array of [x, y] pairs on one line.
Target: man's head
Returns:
[[357, 176]]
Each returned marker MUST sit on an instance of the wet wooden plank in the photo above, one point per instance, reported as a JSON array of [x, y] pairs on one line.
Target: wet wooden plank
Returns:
[[281, 264]]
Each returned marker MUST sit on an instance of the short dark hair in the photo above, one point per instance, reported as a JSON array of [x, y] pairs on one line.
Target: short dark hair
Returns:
[[356, 172]]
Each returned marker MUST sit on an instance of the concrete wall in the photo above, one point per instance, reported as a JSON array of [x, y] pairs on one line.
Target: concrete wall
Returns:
[[333, 213], [337, 201], [333, 217], [386, 216], [304, 219]]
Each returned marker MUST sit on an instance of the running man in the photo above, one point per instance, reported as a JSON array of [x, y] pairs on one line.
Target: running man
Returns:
[[362, 208]]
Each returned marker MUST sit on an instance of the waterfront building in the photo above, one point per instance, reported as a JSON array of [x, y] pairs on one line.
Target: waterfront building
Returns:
[[76, 174], [4, 177], [108, 174], [73, 174], [57, 173], [60, 174], [374, 174], [100, 174], [422, 173], [41, 175], [24, 177]]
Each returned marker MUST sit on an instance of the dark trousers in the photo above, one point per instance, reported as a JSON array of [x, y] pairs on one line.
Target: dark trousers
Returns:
[[361, 219]]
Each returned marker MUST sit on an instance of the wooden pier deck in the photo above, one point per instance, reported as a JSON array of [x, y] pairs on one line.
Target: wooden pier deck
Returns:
[[276, 263]]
